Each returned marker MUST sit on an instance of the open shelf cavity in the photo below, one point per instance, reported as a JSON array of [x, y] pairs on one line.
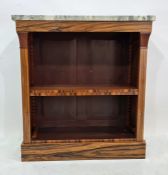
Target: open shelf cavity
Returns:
[[83, 59], [83, 85], [83, 117]]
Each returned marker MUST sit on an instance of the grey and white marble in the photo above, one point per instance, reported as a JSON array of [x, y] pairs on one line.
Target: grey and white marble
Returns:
[[84, 18]]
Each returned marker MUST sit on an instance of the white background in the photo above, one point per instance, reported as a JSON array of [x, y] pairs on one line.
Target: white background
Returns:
[[156, 112]]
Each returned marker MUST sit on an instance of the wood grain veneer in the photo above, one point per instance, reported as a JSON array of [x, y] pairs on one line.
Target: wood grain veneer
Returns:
[[82, 151], [24, 55], [82, 26], [83, 88], [82, 91]]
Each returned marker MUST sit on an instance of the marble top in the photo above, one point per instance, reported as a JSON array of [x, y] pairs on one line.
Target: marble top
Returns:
[[84, 18]]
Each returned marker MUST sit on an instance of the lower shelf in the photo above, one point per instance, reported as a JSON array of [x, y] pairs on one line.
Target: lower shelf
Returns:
[[77, 133], [82, 151]]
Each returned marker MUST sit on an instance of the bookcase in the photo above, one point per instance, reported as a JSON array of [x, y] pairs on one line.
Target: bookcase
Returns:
[[83, 86]]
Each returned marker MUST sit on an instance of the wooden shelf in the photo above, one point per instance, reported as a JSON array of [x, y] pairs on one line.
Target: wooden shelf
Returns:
[[78, 133], [82, 91]]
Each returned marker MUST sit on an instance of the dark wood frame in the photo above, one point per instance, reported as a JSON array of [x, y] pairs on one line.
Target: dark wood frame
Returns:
[[84, 148]]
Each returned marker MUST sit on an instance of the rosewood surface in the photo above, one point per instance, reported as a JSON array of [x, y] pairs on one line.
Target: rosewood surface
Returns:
[[83, 88]]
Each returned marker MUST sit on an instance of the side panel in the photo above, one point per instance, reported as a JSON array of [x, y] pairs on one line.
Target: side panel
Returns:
[[24, 58], [144, 37]]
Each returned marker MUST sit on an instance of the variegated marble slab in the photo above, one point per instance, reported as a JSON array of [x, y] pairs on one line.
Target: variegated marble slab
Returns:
[[84, 18]]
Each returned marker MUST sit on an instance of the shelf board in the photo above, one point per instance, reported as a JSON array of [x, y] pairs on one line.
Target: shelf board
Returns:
[[81, 90], [80, 133]]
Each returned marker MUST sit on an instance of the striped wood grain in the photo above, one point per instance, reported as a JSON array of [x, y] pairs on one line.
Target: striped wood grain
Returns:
[[82, 26], [82, 151]]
